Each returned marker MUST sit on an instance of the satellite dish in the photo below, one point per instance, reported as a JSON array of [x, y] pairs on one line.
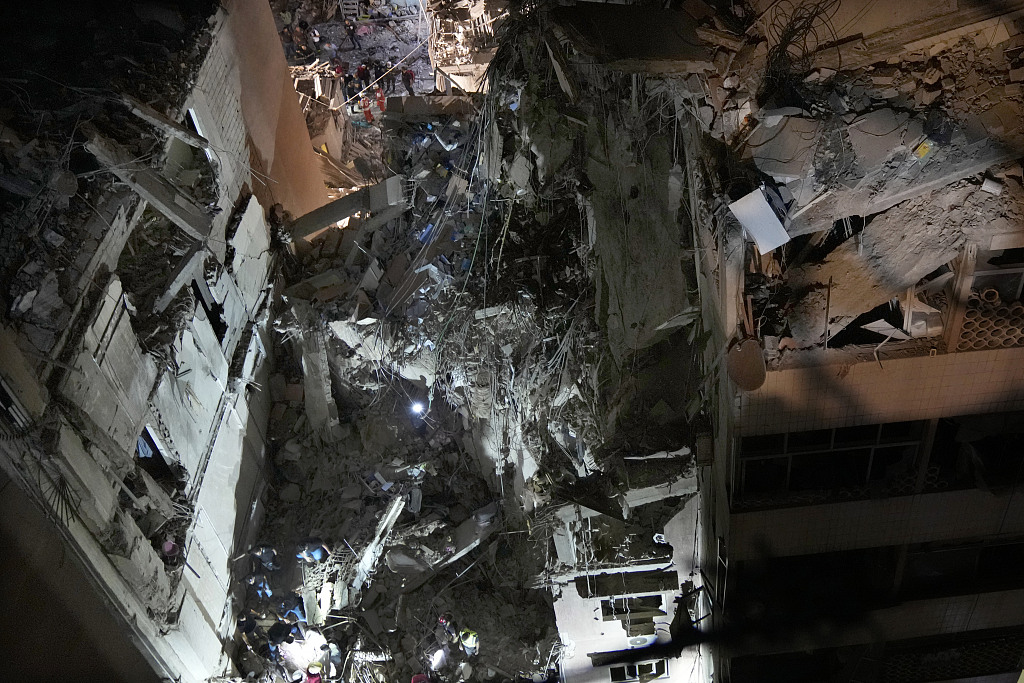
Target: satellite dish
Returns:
[[745, 364], [642, 641]]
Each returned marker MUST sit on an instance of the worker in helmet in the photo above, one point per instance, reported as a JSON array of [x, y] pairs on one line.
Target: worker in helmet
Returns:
[[470, 642], [314, 673], [447, 631]]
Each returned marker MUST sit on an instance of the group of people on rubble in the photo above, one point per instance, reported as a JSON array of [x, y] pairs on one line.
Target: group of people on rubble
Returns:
[[275, 614], [302, 41], [374, 79], [450, 639]]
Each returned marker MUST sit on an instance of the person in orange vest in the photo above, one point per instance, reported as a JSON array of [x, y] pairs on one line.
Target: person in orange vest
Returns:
[[365, 104], [381, 100]]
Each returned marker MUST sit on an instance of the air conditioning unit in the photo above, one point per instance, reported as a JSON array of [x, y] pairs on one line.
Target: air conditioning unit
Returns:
[[642, 641]]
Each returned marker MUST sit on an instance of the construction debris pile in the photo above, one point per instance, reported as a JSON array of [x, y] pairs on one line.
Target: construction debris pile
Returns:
[[832, 147]]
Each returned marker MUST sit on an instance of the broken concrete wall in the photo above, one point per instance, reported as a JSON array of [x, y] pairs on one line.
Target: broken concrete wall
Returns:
[[642, 283], [244, 103], [112, 377]]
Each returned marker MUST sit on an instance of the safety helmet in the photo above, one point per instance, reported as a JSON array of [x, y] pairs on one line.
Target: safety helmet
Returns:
[[445, 619], [314, 668], [469, 638]]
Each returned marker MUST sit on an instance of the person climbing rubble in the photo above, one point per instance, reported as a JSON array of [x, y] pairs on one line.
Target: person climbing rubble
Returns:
[[447, 631], [389, 78], [470, 642], [312, 551]]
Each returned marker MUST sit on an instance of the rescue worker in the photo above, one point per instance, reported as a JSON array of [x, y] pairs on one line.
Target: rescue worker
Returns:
[[382, 102], [291, 609], [267, 557], [314, 673], [350, 31], [312, 551], [259, 582], [470, 642], [447, 630], [408, 78], [363, 75], [389, 79]]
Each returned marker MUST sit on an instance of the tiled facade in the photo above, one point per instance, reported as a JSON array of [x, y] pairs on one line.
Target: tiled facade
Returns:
[[921, 387]]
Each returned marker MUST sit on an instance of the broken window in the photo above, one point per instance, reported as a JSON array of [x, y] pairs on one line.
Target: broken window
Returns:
[[189, 167], [815, 465], [644, 671], [214, 309], [977, 451], [1002, 271], [151, 458]]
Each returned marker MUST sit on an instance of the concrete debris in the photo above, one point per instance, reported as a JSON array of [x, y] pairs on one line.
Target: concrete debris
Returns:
[[474, 388]]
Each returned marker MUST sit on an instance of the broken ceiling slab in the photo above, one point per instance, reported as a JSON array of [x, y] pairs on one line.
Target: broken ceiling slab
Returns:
[[860, 274], [189, 267], [373, 198], [876, 135], [181, 209], [896, 183], [652, 41], [759, 221], [155, 118], [920, 27], [784, 151]]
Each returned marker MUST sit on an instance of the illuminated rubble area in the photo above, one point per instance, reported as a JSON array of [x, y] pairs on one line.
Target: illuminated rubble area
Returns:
[[493, 352]]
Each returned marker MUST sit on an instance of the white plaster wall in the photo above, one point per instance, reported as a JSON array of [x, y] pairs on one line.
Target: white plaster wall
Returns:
[[187, 404], [583, 631], [111, 377]]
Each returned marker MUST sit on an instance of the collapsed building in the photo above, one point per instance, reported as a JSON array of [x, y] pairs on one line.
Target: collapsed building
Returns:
[[654, 344]]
